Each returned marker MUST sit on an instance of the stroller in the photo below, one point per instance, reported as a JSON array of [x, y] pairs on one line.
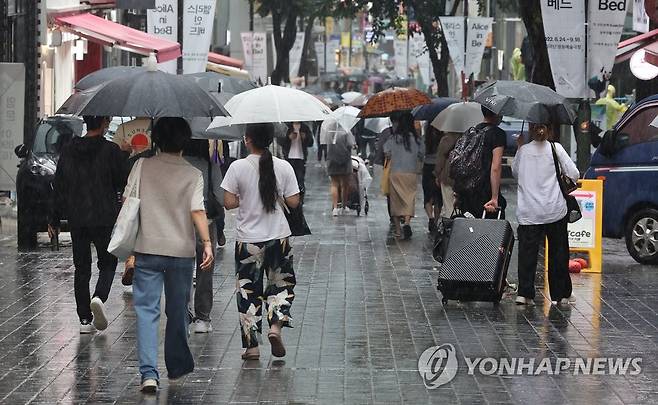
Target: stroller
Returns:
[[358, 183]]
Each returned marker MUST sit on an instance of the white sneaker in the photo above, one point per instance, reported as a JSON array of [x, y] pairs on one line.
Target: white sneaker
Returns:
[[564, 302], [86, 328], [572, 299], [149, 386], [524, 301], [98, 310], [200, 326], [336, 212]]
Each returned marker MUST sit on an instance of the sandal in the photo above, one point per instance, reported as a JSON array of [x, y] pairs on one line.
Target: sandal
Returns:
[[278, 350]]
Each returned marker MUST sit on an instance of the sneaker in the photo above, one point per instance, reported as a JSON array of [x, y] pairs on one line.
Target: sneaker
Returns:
[[336, 212], [98, 310], [524, 301], [86, 327], [572, 299], [564, 302], [406, 232], [201, 326], [149, 386], [221, 242]]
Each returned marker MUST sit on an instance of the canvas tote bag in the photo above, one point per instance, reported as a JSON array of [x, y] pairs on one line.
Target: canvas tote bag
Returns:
[[124, 234]]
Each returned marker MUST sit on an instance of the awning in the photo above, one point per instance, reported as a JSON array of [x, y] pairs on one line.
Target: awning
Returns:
[[225, 60], [106, 32], [628, 47]]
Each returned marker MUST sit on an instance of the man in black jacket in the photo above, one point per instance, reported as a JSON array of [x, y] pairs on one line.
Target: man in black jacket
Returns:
[[90, 177], [295, 150]]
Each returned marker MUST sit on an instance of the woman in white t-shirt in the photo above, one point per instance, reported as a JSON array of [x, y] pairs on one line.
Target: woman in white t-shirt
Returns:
[[542, 210], [257, 185]]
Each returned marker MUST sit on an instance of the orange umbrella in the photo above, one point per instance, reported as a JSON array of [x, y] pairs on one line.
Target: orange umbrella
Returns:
[[385, 102]]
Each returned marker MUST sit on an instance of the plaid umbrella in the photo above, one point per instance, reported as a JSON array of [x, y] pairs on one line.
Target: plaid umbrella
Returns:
[[388, 101]]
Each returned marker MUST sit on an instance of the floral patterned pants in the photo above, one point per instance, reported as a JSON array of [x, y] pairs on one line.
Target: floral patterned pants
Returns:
[[252, 261]]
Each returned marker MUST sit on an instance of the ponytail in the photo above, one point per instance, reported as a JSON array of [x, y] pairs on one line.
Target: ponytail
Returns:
[[261, 136]]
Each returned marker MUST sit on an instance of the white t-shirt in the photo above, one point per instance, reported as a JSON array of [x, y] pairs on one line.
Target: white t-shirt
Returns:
[[540, 200], [296, 151], [253, 223]]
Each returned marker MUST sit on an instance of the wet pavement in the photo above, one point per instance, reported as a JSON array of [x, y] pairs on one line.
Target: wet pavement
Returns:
[[366, 308]]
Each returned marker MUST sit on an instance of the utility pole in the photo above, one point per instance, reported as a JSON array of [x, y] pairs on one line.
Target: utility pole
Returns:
[[181, 11], [251, 15], [581, 125]]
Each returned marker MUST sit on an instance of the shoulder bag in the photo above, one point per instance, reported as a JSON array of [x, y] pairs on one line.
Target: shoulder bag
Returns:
[[213, 207], [124, 234], [567, 186], [386, 177]]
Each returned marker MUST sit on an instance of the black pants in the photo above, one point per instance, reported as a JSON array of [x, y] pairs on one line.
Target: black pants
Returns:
[[363, 144], [473, 202], [322, 151], [531, 237], [299, 166], [82, 238], [220, 222]]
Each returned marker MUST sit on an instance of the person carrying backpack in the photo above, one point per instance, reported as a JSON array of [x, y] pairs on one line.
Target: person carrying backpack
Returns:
[[476, 166]]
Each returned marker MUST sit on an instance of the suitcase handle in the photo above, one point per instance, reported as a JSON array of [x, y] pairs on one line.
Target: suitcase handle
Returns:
[[484, 213]]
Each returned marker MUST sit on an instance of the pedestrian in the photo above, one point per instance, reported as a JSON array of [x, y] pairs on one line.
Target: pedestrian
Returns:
[[295, 150], [486, 195], [90, 177], [196, 152], [431, 192], [365, 140], [442, 172], [171, 209], [322, 144], [258, 186], [405, 151], [339, 163], [542, 210]]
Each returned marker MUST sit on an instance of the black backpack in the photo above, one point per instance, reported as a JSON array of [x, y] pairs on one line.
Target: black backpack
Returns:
[[467, 160]]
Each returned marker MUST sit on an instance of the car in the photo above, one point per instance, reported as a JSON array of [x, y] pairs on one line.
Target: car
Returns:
[[36, 172], [627, 161]]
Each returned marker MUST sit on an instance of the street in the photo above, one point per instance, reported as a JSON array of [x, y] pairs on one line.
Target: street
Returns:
[[366, 308]]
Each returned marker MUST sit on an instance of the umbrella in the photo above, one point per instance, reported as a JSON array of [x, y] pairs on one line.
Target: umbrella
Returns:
[[199, 125], [354, 98], [395, 99], [217, 82], [105, 75], [428, 112], [527, 101], [346, 117], [377, 125], [458, 117], [273, 104]]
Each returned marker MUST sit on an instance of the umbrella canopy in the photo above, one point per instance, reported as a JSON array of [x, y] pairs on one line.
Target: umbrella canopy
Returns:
[[377, 125], [105, 75], [354, 98], [273, 104], [388, 101], [527, 101], [199, 125], [346, 117], [428, 112], [458, 117], [217, 82]]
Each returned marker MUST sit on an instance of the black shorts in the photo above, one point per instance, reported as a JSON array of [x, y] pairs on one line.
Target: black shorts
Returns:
[[431, 191]]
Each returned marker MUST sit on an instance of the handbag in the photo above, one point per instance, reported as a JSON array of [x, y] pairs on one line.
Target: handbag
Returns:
[[213, 207], [386, 177], [295, 218], [567, 186], [124, 233], [443, 231]]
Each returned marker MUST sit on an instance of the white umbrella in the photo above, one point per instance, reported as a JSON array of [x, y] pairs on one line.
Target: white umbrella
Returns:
[[377, 125], [346, 117], [458, 117], [354, 98], [272, 104]]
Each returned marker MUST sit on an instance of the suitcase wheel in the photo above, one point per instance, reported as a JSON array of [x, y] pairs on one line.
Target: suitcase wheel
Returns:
[[444, 301]]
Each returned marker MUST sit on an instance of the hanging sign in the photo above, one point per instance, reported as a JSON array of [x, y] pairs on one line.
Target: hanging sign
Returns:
[[454, 30], [254, 49], [333, 47], [320, 55], [401, 60], [419, 56], [162, 22], [12, 101], [296, 56], [198, 20], [477, 33], [640, 17]]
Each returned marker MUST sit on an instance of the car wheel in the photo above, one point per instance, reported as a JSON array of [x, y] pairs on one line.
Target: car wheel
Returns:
[[642, 236]]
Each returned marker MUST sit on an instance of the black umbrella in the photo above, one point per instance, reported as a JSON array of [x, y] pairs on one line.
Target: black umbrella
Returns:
[[105, 75], [217, 82], [527, 101], [428, 112]]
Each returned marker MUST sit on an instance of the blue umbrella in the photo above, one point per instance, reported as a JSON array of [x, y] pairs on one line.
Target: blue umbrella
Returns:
[[428, 112]]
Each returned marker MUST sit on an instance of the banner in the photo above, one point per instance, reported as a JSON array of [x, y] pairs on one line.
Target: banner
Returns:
[[478, 30], [162, 22], [254, 49], [333, 46], [418, 56], [454, 30], [319, 55], [198, 21], [12, 102], [606, 24], [401, 61], [564, 26], [640, 17], [296, 56]]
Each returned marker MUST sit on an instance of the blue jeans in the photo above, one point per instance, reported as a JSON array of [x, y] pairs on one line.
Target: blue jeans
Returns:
[[151, 272]]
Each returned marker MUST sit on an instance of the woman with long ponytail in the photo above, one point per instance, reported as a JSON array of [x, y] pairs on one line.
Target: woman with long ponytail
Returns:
[[259, 186]]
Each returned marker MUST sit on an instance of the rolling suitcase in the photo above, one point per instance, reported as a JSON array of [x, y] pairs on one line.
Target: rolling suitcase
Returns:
[[476, 261]]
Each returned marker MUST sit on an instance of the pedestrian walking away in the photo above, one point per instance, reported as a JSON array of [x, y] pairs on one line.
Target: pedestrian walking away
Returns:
[[339, 163], [258, 186], [171, 209], [196, 153], [295, 150], [90, 177], [542, 210], [432, 199]]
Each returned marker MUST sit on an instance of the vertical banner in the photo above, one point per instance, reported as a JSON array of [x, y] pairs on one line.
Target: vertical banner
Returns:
[[478, 30], [319, 55], [254, 49], [419, 56], [454, 30], [333, 47], [162, 22], [401, 60], [247, 48], [296, 56], [564, 26], [12, 102], [198, 21], [606, 24], [640, 17]]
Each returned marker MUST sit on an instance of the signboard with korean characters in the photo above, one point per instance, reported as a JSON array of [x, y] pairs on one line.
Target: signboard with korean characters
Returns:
[[198, 21], [295, 56], [640, 17], [254, 48], [162, 22], [400, 48], [454, 29], [12, 101]]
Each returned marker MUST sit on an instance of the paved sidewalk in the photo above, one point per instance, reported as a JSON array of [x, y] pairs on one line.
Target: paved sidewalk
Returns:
[[366, 308]]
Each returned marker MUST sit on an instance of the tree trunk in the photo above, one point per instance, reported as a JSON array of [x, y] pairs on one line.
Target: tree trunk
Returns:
[[305, 65], [283, 44], [540, 72]]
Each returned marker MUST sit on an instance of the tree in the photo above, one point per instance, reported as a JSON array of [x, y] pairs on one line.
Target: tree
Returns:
[[284, 29]]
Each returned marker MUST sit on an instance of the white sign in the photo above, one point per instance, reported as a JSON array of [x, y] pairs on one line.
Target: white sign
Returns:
[[401, 60], [564, 26], [454, 30], [12, 101], [254, 48], [581, 233], [319, 55], [296, 56], [198, 20], [333, 46], [606, 23], [162, 22], [419, 56], [640, 17], [478, 30]]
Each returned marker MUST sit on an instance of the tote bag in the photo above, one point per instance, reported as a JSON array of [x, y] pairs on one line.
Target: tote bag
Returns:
[[124, 234], [386, 177]]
